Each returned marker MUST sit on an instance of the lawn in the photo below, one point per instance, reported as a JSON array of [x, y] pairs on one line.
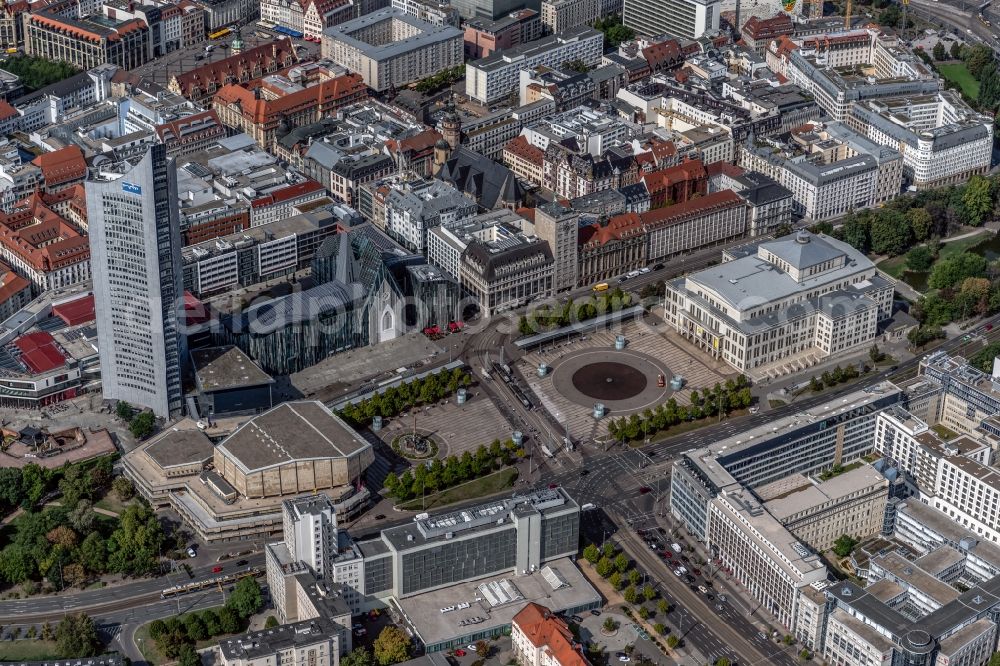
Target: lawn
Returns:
[[944, 432], [959, 74], [688, 426], [110, 502], [896, 266], [27, 650], [487, 485]]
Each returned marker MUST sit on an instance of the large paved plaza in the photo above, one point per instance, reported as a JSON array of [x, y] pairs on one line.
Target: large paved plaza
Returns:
[[589, 369]]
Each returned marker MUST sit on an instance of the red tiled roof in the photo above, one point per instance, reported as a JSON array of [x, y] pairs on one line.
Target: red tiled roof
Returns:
[[76, 312], [546, 630], [287, 194], [10, 283], [61, 166], [520, 147], [696, 206], [727, 168], [260, 111], [617, 228], [201, 121], [39, 352], [689, 170], [41, 237], [758, 28], [6, 110], [417, 143], [240, 67]]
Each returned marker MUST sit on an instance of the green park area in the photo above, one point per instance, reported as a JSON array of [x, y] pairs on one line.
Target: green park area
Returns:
[[481, 487], [959, 74]]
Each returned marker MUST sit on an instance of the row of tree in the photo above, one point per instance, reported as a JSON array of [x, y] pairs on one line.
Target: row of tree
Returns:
[[547, 317], [176, 636], [445, 77], [722, 398], [438, 475], [833, 377], [397, 399]]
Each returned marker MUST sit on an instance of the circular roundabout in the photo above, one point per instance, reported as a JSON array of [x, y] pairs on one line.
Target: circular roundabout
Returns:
[[624, 381]]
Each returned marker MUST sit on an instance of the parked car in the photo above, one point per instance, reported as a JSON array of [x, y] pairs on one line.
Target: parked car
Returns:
[[703, 589], [192, 552], [675, 547], [595, 612], [242, 563], [459, 652], [216, 569]]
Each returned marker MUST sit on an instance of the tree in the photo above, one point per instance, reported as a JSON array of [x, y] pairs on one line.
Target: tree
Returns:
[[604, 567], [123, 488], [271, 622], [805, 655], [616, 580], [578, 66], [143, 425], [921, 222], [229, 622], [648, 592], [722, 661], [621, 563], [17, 564], [157, 628], [618, 34], [482, 649], [135, 546], [188, 656], [980, 56], [62, 536], [855, 232], [358, 657], [74, 575], [949, 272], [844, 545], [643, 612], [76, 636], [890, 233], [10, 488], [592, 554], [94, 553], [663, 606], [660, 628], [634, 577], [630, 594], [610, 625], [246, 598], [608, 549], [919, 258], [956, 50], [124, 411], [392, 646], [978, 199], [672, 641], [211, 620], [195, 627], [938, 52]]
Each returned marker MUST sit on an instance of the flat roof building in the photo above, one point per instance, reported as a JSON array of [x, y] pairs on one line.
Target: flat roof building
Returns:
[[390, 48]]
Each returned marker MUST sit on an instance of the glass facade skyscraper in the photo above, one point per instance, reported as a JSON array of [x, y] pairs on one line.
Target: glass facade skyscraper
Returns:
[[135, 247]]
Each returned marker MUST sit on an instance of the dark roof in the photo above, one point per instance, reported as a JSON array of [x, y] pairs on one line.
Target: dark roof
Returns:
[[57, 89], [491, 183], [765, 189], [490, 259]]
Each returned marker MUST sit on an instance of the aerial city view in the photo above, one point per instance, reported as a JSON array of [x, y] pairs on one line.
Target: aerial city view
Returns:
[[499, 332]]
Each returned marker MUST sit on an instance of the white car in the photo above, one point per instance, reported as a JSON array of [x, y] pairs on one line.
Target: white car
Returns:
[[677, 572], [192, 552], [645, 269], [471, 646], [624, 659]]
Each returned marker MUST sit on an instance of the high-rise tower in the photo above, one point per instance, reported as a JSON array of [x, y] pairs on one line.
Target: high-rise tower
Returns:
[[135, 254]]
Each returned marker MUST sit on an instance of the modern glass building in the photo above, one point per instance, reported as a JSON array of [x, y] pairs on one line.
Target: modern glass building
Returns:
[[135, 248]]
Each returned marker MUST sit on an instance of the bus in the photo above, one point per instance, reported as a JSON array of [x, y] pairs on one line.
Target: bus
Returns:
[[219, 34], [601, 286], [282, 30]]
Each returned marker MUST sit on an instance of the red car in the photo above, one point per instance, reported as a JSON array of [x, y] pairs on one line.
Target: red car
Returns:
[[553, 486], [216, 569], [667, 554], [459, 652]]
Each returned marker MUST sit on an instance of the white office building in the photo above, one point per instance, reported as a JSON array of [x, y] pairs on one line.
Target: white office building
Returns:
[[497, 76], [135, 250], [781, 304], [677, 18], [942, 140]]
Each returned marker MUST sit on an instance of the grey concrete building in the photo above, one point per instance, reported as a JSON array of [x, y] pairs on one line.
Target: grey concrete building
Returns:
[[135, 254]]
